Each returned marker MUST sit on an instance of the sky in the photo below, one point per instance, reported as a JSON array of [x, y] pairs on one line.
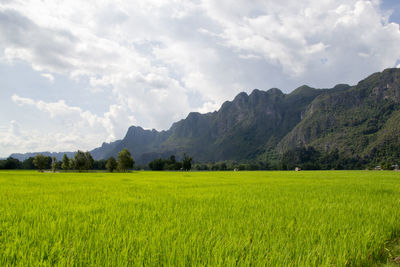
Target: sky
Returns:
[[74, 74]]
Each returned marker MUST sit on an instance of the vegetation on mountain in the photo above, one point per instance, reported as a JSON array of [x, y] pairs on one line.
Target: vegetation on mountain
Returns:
[[361, 123], [240, 130]]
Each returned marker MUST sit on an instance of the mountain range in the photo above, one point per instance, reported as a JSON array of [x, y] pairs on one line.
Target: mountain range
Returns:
[[357, 121]]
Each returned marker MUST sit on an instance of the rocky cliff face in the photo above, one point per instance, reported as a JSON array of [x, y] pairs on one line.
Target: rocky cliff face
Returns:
[[240, 129], [354, 121]]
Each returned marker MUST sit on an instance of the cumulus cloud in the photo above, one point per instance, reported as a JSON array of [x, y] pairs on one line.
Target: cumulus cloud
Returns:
[[157, 60], [17, 140], [81, 125], [54, 109], [298, 36], [195, 39]]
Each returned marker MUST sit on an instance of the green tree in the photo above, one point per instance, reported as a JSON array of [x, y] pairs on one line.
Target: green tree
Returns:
[[157, 164], [54, 164], [100, 164], [386, 165], [125, 160], [186, 163], [169, 164], [65, 165], [27, 164], [80, 161], [40, 162], [178, 166], [89, 161], [223, 166], [72, 163], [111, 164], [12, 164]]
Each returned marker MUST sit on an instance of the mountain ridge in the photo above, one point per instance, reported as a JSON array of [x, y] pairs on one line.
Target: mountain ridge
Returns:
[[359, 115], [356, 120]]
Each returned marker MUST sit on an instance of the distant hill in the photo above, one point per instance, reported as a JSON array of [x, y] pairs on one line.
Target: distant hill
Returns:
[[357, 121], [58, 155]]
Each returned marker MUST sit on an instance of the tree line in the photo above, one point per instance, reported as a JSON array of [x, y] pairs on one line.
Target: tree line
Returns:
[[171, 164], [386, 157], [307, 158], [82, 161]]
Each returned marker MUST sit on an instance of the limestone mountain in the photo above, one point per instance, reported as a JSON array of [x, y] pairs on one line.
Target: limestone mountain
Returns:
[[360, 121], [241, 129]]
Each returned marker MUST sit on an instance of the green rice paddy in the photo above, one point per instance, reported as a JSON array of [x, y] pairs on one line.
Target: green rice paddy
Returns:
[[318, 218]]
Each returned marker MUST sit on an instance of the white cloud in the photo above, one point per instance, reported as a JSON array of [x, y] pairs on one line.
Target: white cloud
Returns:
[[118, 38], [249, 56], [294, 35], [157, 60], [77, 127], [54, 109], [28, 140], [48, 76]]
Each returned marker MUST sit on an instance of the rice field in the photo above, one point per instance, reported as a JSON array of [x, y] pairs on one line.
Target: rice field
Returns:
[[316, 218]]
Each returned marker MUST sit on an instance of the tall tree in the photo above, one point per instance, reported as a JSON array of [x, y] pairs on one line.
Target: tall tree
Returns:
[[187, 162], [111, 164], [80, 161], [125, 160], [40, 162], [65, 165], [89, 161]]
